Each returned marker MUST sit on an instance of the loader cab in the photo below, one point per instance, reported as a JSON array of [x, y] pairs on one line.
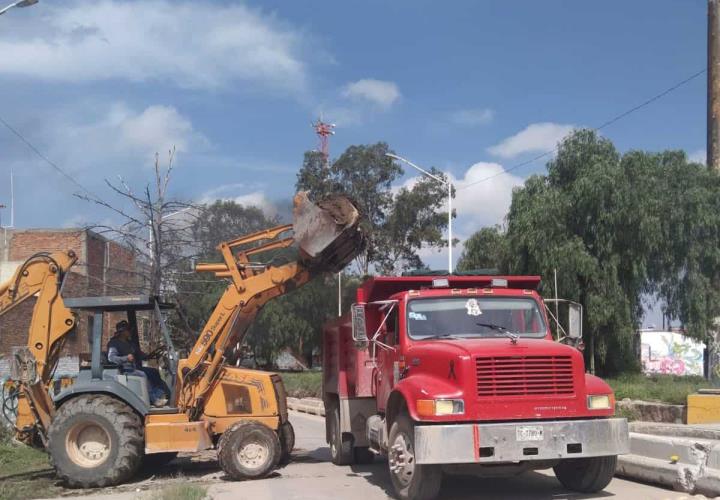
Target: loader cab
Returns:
[[104, 312]]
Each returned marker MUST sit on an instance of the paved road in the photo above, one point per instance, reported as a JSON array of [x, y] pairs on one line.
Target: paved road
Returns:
[[312, 476]]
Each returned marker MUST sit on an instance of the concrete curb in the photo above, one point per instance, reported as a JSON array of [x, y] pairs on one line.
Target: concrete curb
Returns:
[[313, 406]]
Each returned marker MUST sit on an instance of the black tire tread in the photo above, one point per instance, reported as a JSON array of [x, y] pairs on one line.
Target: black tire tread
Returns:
[[287, 442], [126, 423], [427, 479], [586, 475], [343, 445]]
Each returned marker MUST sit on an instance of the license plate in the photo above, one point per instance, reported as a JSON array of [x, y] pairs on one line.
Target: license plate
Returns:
[[529, 433]]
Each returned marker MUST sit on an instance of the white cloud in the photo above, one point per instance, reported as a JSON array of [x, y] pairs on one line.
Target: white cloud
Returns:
[[379, 92], [188, 44], [477, 205], [536, 137], [120, 134], [256, 198], [472, 117], [699, 156]]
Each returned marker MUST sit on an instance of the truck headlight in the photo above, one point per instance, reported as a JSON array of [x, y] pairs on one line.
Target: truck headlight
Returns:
[[439, 407], [601, 402]]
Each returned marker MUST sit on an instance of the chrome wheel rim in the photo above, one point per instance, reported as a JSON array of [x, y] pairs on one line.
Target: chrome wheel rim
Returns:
[[401, 459]]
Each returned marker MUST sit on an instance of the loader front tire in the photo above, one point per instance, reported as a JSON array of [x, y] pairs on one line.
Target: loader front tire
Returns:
[[248, 450], [287, 442], [95, 441]]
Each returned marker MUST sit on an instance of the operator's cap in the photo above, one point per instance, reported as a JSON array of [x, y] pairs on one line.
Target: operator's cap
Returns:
[[121, 326]]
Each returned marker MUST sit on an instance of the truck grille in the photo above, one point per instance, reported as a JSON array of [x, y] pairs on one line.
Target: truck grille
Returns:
[[524, 376]]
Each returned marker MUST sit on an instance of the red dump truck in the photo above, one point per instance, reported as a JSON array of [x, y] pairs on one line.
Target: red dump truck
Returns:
[[460, 374]]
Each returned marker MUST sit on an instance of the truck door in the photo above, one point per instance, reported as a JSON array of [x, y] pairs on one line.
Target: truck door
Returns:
[[387, 359]]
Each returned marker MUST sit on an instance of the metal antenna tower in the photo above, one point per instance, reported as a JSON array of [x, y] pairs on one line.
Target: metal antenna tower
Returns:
[[324, 131]]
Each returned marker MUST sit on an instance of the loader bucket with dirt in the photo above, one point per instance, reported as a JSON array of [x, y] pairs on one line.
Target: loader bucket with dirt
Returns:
[[328, 232]]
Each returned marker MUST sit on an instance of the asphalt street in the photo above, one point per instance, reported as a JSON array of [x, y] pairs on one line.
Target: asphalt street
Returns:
[[311, 475]]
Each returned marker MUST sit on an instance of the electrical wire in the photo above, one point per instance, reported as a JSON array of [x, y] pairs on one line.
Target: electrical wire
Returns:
[[609, 122], [45, 158]]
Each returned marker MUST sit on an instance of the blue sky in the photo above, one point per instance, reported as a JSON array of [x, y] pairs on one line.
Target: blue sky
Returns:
[[467, 86]]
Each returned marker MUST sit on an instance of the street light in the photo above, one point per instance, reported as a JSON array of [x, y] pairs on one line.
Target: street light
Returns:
[[449, 188], [20, 4]]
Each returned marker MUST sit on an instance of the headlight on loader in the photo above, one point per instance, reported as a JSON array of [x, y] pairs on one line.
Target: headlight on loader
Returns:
[[601, 402], [439, 407]]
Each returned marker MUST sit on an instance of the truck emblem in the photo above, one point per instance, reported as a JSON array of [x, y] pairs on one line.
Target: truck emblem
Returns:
[[451, 373], [473, 308]]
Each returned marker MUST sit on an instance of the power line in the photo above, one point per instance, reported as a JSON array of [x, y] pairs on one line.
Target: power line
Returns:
[[597, 129], [45, 158]]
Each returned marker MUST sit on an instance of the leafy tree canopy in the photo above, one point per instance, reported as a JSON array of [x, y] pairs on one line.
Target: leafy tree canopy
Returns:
[[398, 223], [618, 228]]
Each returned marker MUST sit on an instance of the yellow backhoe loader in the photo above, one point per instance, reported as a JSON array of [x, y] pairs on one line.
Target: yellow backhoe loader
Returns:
[[101, 428]]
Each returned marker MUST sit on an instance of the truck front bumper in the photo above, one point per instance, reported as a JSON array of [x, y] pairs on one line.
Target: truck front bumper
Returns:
[[520, 441]]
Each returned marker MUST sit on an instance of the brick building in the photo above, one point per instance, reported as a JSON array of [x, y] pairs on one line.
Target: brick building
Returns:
[[104, 267]]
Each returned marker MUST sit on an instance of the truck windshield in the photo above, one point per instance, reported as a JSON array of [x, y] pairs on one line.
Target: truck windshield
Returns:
[[474, 317]]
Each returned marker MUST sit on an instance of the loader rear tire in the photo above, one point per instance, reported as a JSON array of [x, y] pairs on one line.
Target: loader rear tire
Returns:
[[95, 441], [586, 475], [248, 450]]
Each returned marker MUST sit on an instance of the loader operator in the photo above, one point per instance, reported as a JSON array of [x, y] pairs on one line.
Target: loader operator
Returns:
[[123, 353]]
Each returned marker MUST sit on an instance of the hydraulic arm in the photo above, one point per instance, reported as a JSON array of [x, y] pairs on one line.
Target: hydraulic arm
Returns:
[[41, 276], [323, 237]]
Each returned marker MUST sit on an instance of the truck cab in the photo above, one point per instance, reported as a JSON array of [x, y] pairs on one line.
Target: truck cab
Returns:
[[461, 373]]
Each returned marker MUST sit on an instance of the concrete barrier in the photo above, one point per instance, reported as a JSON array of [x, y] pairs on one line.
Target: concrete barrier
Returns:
[[313, 406], [681, 457], [654, 412]]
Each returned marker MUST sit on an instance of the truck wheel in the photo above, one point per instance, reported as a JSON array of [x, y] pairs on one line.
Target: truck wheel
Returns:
[[95, 441], [410, 480], [341, 450], [363, 455], [287, 441], [248, 450], [586, 475]]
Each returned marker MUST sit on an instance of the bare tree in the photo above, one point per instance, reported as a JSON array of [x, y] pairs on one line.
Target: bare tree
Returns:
[[157, 228]]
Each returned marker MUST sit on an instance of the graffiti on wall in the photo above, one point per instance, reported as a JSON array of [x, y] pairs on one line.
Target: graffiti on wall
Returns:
[[671, 353]]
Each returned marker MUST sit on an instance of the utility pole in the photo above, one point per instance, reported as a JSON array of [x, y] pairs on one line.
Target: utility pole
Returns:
[[713, 85], [713, 149]]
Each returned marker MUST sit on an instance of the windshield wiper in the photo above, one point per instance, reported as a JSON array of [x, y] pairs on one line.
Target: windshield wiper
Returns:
[[511, 335], [442, 336]]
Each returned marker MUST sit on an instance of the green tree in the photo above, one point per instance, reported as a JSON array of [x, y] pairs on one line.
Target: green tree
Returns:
[[198, 294], [619, 228], [485, 249], [398, 224]]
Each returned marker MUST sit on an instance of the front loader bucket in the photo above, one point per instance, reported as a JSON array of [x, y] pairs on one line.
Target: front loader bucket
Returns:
[[327, 233]]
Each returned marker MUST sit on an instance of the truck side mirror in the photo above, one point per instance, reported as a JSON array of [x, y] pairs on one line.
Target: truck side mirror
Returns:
[[574, 320], [359, 332]]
